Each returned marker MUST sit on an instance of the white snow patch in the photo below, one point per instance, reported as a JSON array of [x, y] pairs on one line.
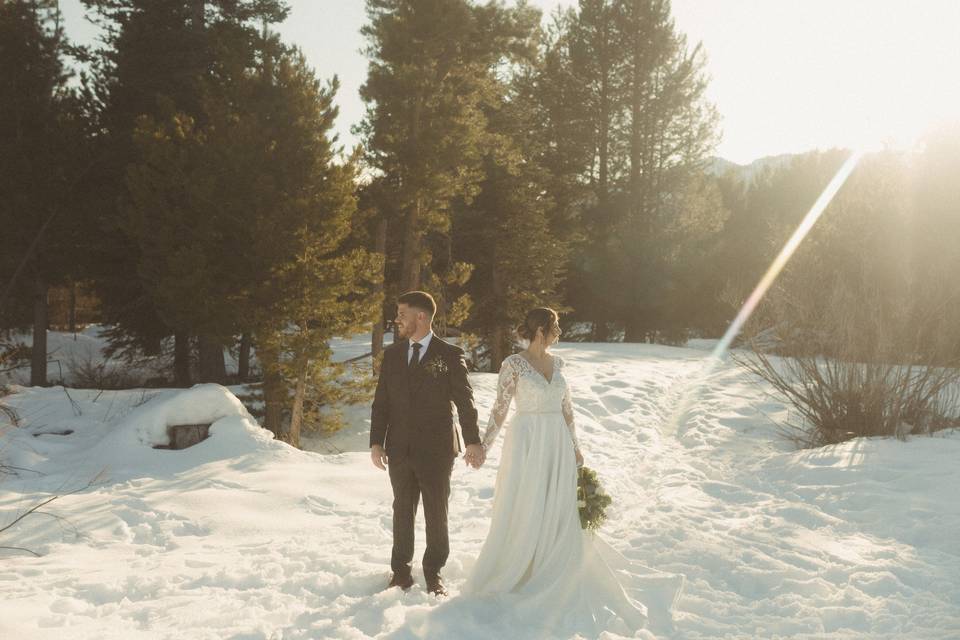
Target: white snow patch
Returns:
[[242, 536]]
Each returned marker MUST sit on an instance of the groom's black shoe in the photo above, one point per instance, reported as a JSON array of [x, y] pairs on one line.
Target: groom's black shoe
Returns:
[[404, 582], [435, 585]]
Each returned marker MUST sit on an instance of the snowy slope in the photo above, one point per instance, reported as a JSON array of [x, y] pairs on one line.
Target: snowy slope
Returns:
[[244, 537]]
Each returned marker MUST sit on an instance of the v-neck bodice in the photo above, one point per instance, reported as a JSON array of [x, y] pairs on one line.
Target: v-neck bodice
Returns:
[[520, 382], [553, 367]]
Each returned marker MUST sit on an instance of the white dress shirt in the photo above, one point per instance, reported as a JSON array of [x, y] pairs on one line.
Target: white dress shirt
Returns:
[[425, 341]]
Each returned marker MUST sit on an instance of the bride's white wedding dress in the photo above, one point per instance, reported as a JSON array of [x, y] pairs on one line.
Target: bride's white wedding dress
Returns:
[[536, 559]]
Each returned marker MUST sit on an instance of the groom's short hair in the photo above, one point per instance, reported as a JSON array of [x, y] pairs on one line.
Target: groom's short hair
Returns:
[[419, 300]]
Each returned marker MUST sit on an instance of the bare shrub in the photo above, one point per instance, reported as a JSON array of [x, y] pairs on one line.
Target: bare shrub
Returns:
[[88, 371], [37, 509], [14, 420], [14, 355], [7, 411], [854, 362]]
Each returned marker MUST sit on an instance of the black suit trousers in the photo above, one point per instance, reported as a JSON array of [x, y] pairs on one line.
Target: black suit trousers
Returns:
[[413, 477]]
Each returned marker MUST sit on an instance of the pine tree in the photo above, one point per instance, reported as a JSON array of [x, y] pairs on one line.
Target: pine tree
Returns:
[[152, 57], [315, 280], [43, 141], [431, 69], [163, 59], [672, 128], [379, 214], [933, 232], [244, 222], [583, 87], [520, 258], [626, 130], [519, 263]]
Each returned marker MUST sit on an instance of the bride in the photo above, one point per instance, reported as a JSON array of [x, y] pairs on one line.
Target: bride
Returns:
[[536, 558]]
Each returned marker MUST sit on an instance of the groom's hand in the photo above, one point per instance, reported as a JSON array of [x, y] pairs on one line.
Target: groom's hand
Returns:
[[379, 457], [475, 455]]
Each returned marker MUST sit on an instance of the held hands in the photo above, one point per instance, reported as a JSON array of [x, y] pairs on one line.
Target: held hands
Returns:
[[579, 457], [475, 455], [379, 457]]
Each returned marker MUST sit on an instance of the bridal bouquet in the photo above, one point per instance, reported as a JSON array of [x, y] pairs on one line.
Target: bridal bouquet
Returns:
[[591, 499]]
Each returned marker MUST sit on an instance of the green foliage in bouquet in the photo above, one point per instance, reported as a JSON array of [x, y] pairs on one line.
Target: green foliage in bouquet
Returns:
[[591, 499]]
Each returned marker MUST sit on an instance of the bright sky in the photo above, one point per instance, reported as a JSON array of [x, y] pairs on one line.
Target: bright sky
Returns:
[[787, 75]]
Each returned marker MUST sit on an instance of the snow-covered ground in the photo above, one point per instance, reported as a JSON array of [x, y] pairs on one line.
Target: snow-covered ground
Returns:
[[244, 537]]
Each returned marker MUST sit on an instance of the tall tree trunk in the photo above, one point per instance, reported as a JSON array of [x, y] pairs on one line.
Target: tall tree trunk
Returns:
[[410, 263], [212, 367], [601, 332], [273, 389], [72, 313], [640, 62], [636, 330], [497, 348], [199, 7], [181, 359], [635, 325], [243, 360], [376, 339], [604, 141], [604, 216], [500, 333], [38, 362], [296, 411]]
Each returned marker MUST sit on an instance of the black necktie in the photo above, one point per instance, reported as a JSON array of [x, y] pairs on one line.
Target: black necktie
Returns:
[[415, 360]]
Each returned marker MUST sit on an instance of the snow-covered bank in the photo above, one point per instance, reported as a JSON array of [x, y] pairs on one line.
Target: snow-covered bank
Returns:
[[245, 537]]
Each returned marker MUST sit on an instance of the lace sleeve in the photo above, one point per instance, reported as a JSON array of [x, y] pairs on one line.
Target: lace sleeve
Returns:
[[506, 387], [567, 406]]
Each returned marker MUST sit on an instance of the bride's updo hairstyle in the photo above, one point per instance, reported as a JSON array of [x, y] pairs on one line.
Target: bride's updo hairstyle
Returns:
[[541, 317]]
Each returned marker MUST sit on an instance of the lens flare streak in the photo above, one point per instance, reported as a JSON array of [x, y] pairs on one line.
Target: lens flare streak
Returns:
[[786, 252], [686, 394]]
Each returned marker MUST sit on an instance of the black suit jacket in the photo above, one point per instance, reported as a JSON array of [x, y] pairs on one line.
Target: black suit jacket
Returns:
[[413, 407]]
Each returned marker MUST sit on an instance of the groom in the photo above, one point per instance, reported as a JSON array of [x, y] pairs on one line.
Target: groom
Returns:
[[412, 433]]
